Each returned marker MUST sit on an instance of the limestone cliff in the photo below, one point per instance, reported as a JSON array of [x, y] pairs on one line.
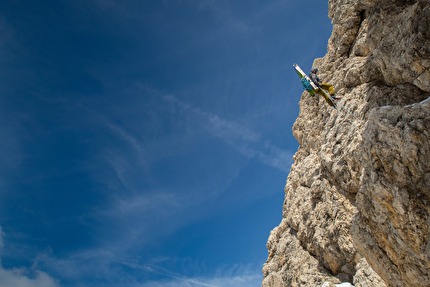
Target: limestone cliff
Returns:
[[357, 198]]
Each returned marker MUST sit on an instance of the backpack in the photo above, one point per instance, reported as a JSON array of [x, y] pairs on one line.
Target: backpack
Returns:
[[306, 84]]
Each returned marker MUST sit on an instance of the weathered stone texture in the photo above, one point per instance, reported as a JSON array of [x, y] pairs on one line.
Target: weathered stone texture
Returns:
[[392, 227], [357, 199]]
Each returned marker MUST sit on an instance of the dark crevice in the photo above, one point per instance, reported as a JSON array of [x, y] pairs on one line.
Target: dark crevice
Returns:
[[362, 16], [383, 94]]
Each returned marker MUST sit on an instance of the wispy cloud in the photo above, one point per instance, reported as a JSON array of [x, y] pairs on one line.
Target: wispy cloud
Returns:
[[108, 269], [103, 267], [79, 266], [230, 22], [245, 280], [230, 276], [19, 277], [246, 141], [140, 214], [142, 218], [23, 277]]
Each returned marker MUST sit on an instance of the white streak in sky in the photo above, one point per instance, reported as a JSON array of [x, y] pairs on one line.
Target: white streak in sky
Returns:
[[247, 142], [235, 276]]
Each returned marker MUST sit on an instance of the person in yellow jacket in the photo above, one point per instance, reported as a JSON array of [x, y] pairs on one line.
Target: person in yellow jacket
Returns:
[[325, 86]]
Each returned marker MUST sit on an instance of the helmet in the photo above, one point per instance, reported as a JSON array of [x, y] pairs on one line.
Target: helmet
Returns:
[[314, 70]]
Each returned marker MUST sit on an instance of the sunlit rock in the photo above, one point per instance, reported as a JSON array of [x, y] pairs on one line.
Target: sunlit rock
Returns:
[[357, 199]]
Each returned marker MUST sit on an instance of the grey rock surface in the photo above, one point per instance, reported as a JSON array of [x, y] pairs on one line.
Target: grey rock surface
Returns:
[[357, 198]]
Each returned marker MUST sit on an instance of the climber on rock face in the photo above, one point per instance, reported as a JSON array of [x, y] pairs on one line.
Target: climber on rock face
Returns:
[[326, 86], [313, 85]]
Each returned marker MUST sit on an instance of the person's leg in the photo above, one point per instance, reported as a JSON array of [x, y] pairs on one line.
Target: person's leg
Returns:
[[328, 87]]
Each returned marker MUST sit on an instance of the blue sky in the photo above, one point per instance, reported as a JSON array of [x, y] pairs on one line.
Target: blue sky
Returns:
[[147, 143]]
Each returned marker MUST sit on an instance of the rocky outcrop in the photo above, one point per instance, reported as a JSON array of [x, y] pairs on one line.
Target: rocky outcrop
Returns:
[[357, 199]]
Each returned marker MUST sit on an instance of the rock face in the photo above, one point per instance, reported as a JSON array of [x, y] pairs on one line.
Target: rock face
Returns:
[[357, 199]]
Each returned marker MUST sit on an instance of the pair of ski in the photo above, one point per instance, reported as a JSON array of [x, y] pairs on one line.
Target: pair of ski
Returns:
[[313, 89]]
